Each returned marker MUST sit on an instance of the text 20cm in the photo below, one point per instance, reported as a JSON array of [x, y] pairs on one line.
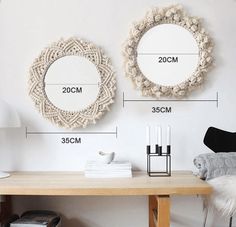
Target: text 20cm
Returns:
[[72, 89], [168, 60]]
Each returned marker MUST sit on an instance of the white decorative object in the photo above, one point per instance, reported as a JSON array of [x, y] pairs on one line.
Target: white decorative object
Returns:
[[159, 136], [9, 118], [156, 134], [68, 118], [173, 15], [105, 158], [168, 136], [148, 137]]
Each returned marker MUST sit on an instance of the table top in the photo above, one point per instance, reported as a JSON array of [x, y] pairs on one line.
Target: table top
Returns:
[[74, 183]]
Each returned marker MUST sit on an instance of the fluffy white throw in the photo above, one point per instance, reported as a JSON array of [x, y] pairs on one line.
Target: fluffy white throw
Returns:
[[223, 197]]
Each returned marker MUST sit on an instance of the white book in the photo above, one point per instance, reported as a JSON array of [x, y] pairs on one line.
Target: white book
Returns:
[[28, 224], [108, 167], [113, 170], [108, 175]]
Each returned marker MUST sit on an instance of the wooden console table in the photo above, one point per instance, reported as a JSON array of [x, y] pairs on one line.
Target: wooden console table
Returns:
[[159, 189]]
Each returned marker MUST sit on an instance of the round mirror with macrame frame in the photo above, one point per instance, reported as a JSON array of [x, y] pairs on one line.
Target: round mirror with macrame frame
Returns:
[[72, 83], [168, 53]]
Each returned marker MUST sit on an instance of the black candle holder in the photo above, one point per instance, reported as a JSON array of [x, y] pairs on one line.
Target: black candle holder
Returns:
[[159, 154]]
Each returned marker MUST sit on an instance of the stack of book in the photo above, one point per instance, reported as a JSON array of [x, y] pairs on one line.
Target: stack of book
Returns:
[[37, 219], [112, 170]]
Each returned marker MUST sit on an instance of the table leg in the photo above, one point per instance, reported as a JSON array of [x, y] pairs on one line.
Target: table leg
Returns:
[[159, 211], [6, 209], [152, 210], [163, 211]]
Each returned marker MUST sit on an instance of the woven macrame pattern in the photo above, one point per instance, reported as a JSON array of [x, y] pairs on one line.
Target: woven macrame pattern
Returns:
[[69, 119], [169, 15]]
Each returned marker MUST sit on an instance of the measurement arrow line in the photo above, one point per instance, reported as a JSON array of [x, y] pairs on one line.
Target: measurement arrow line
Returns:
[[168, 53], [70, 133], [216, 100], [175, 100], [97, 84]]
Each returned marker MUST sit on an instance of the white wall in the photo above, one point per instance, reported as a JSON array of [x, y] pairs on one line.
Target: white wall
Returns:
[[27, 26]]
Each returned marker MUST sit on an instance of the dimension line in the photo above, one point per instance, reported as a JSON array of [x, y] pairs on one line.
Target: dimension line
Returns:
[[168, 53], [27, 133], [216, 100], [72, 84]]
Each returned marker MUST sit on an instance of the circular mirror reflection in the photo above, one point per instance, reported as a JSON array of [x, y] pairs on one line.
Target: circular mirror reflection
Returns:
[[168, 54], [72, 83]]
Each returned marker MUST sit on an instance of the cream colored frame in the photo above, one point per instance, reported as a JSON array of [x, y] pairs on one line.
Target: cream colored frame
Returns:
[[169, 15], [38, 71]]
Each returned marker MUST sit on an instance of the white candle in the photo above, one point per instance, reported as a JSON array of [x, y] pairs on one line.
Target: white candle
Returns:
[[156, 133], [168, 135], [159, 136], [148, 135]]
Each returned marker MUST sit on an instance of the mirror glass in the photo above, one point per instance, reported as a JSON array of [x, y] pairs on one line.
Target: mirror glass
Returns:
[[168, 54], [72, 83]]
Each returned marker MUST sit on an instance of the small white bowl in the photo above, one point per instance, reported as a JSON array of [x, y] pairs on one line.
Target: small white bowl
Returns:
[[105, 158]]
